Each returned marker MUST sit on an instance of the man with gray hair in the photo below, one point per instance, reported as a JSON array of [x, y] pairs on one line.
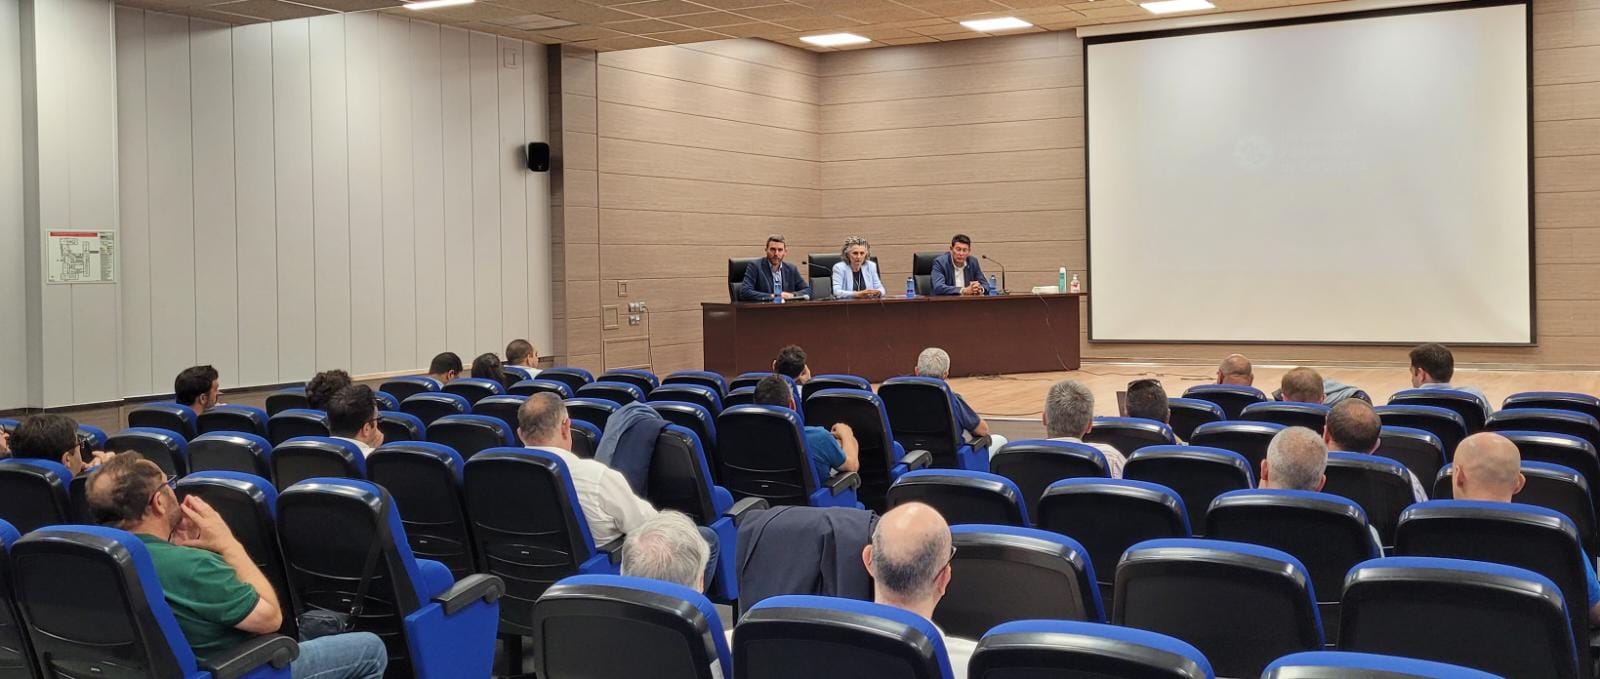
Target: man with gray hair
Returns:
[[608, 502], [1235, 369], [1295, 460], [667, 547], [909, 560], [1069, 414], [935, 362]]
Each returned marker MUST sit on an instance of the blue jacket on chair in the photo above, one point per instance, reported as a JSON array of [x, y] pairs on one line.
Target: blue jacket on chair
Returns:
[[757, 285], [944, 275]]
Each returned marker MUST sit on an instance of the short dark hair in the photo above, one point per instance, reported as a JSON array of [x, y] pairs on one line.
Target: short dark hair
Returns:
[[791, 362], [518, 349], [487, 366], [960, 238], [193, 383], [120, 488], [1436, 360], [322, 387], [773, 390], [350, 409], [1148, 399], [1354, 426], [44, 437], [445, 362], [776, 238]]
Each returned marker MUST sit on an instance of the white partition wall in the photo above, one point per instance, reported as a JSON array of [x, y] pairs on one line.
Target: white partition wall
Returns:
[[13, 281]]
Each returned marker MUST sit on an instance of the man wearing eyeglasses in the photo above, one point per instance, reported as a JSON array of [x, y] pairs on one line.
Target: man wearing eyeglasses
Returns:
[[54, 437], [909, 560], [353, 416]]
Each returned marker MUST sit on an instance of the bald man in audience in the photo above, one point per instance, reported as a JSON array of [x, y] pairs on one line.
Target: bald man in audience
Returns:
[[1235, 369], [1353, 427], [1296, 459], [909, 560], [1301, 385], [1488, 468]]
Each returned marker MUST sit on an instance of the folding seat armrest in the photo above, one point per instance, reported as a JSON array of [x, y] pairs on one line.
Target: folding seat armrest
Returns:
[[740, 508], [917, 459], [843, 481], [613, 549], [980, 442], [270, 649], [470, 590]]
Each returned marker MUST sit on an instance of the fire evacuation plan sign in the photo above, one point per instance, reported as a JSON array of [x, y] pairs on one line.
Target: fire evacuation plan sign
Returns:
[[81, 256]]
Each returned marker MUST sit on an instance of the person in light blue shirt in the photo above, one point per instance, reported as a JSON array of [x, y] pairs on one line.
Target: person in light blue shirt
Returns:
[[828, 449], [1432, 366], [857, 276]]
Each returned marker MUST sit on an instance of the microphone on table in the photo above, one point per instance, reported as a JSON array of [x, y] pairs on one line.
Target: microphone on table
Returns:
[[1002, 289]]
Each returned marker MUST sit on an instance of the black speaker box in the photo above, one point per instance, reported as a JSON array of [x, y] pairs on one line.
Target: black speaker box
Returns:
[[539, 156]]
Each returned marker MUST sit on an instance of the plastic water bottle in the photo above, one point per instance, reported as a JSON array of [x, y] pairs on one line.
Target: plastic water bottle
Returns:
[[911, 287], [1061, 276], [1075, 286], [994, 285], [777, 298]]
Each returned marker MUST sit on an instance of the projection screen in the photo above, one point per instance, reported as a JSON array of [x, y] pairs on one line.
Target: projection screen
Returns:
[[1361, 180]]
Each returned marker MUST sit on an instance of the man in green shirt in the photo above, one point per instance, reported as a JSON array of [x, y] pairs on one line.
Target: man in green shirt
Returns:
[[218, 595]]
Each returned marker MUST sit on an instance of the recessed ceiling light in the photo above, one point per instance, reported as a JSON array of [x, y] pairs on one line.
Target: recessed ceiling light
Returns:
[[834, 39], [996, 24], [430, 4], [1170, 6]]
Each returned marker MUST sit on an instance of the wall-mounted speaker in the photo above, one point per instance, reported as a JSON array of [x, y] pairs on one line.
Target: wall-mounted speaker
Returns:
[[539, 156]]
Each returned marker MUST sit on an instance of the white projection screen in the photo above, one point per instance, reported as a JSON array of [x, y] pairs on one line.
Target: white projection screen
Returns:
[[1343, 180]]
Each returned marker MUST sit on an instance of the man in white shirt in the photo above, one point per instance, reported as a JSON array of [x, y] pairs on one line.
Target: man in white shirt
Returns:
[[353, 417], [609, 505], [1353, 427], [1069, 415], [909, 560], [521, 353], [1432, 366]]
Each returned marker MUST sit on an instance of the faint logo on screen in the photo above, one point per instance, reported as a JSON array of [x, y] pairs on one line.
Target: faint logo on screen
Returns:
[[1253, 152]]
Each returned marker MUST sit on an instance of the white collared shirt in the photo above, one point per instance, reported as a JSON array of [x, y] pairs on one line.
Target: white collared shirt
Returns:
[[1114, 458], [366, 450], [959, 651], [609, 505], [960, 274]]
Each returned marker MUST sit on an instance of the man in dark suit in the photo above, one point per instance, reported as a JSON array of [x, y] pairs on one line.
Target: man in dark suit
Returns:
[[957, 272], [771, 276]]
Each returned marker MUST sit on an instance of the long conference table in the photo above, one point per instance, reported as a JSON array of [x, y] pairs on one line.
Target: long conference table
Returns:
[[879, 339]]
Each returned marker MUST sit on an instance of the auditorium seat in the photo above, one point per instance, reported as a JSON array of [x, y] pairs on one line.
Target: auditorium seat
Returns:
[[108, 616], [248, 504], [572, 377], [1197, 474], [306, 457], [1002, 574], [700, 395], [534, 386], [1241, 605], [1063, 649], [1460, 402], [33, 493], [16, 654], [1562, 449], [296, 422], [963, 496], [833, 381], [1551, 486], [750, 379], [515, 374], [401, 427], [165, 448], [643, 379], [1232, 398], [386, 402], [424, 479], [1329, 534], [1549, 421], [1034, 464], [1555, 400], [595, 411], [287, 399], [761, 453], [801, 636], [1187, 413], [1347, 665], [232, 452], [1107, 516], [1418, 450], [922, 271], [736, 269], [922, 417], [474, 389], [91, 437], [620, 393], [1313, 416], [1491, 617], [470, 434], [1128, 434], [882, 459], [176, 418], [433, 626], [246, 419], [1249, 439], [503, 408], [410, 385], [704, 378], [1378, 485], [695, 418], [430, 406], [672, 631], [585, 439], [529, 529], [819, 271], [1444, 423], [680, 480]]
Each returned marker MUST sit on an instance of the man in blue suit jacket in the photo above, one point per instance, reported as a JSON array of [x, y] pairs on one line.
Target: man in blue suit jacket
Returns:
[[957, 272], [771, 275]]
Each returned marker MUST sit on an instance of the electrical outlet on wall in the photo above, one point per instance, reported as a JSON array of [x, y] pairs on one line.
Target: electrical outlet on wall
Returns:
[[622, 288]]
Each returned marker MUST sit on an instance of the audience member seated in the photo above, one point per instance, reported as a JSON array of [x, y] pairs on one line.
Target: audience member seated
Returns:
[[957, 272], [1432, 366], [322, 387], [1354, 427], [353, 416], [217, 593], [856, 275], [1235, 369], [935, 362], [791, 363], [1488, 468], [1069, 414], [770, 278], [1296, 459], [197, 387], [487, 367], [1301, 385], [445, 367], [669, 547], [521, 353], [829, 449], [1148, 399], [5, 444], [909, 560], [52, 437]]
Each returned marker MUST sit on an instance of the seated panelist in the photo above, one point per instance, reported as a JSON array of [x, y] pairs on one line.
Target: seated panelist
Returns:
[[856, 277], [957, 272], [771, 278]]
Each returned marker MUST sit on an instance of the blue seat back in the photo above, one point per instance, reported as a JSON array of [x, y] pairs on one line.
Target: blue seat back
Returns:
[[1548, 485], [1188, 413], [474, 389], [695, 418], [425, 481], [1444, 423], [832, 381], [167, 449], [595, 411], [1063, 648], [296, 422], [673, 632], [703, 378], [1249, 439], [1554, 400], [1034, 464], [1347, 665], [307, 457], [878, 452], [1232, 398], [503, 407], [922, 416], [173, 417], [700, 395], [16, 654], [1198, 474], [387, 402], [762, 453], [585, 439], [535, 386], [1313, 416], [1107, 516], [1002, 574], [516, 373], [963, 496], [401, 427], [1377, 484], [1562, 449], [643, 379], [739, 396], [620, 393], [469, 434], [1460, 402], [680, 478], [33, 493], [572, 377], [431, 406], [231, 451], [248, 503], [247, 419], [1128, 434], [287, 399], [1419, 450], [748, 379], [1547, 420], [405, 387], [804, 637]]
